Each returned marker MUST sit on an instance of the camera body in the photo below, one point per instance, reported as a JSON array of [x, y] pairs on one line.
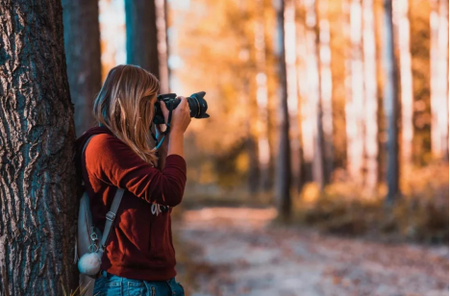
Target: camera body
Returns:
[[197, 105]]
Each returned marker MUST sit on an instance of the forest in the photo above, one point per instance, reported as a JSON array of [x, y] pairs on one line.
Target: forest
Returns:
[[322, 170]]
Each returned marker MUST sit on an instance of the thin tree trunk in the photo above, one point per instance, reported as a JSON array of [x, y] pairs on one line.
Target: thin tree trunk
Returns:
[[439, 78], [292, 94], [326, 85], [142, 35], [163, 45], [338, 48], [284, 159], [82, 44], [407, 100], [262, 98], [370, 98], [355, 101], [312, 129], [305, 174], [391, 104], [37, 177], [308, 95]]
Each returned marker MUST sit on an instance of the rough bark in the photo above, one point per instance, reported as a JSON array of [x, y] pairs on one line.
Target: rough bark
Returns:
[[391, 104], [142, 35], [82, 44], [37, 177], [284, 159]]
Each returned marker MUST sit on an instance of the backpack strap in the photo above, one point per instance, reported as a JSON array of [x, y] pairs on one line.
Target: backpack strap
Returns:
[[111, 215]]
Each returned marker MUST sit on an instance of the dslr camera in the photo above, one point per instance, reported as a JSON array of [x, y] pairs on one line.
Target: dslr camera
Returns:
[[197, 105]]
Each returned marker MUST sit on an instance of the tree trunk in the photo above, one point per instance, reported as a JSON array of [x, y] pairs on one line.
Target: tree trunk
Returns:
[[284, 158], [308, 97], [439, 78], [262, 98], [312, 130], [82, 44], [355, 100], [406, 82], [305, 174], [370, 98], [163, 44], [38, 181], [142, 35], [391, 104], [292, 94], [326, 87]]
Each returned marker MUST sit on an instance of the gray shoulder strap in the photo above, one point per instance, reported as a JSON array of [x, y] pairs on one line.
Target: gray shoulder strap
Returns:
[[111, 215]]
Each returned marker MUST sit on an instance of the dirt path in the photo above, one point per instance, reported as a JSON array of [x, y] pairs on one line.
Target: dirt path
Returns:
[[235, 252]]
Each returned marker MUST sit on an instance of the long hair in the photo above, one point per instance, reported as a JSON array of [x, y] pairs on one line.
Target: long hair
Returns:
[[124, 105]]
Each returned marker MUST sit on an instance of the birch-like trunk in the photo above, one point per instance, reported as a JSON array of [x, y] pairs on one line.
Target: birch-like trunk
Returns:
[[406, 82], [439, 79], [370, 110], [391, 104], [355, 100], [38, 183], [82, 44]]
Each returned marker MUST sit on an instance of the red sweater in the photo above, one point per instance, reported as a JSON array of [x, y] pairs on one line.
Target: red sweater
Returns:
[[140, 243]]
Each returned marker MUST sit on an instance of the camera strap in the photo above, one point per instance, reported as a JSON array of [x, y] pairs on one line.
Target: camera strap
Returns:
[[160, 141]]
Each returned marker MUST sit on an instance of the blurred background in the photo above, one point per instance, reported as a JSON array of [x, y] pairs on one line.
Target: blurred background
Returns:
[[328, 137]]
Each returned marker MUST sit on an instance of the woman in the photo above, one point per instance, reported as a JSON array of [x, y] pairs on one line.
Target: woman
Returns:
[[139, 258]]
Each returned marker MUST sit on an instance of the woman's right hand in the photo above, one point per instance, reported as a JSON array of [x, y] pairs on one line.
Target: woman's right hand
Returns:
[[181, 117]]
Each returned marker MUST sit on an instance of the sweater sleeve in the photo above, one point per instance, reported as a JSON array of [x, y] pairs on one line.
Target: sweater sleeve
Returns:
[[113, 162]]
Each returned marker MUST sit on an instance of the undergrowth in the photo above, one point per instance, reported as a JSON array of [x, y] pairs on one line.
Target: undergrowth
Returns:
[[420, 214]]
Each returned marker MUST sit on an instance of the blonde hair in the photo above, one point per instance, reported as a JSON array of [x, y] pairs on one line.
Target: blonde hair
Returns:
[[124, 106]]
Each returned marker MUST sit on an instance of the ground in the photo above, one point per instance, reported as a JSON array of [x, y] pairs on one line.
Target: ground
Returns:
[[237, 251]]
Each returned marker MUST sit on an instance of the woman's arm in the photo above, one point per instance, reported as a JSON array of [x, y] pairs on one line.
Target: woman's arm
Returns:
[[113, 162]]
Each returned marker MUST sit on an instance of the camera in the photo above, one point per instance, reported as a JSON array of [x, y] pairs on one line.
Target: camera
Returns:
[[197, 105]]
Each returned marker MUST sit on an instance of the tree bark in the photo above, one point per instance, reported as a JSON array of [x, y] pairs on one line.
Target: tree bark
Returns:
[[391, 104], [284, 158], [142, 35], [38, 191], [82, 44]]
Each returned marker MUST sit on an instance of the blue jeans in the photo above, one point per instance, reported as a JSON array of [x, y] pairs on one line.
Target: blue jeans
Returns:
[[112, 285]]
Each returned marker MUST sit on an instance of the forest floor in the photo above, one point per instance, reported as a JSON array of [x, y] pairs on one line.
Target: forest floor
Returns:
[[238, 251]]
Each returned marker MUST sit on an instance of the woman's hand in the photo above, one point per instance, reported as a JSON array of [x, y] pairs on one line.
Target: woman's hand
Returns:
[[180, 120], [181, 116]]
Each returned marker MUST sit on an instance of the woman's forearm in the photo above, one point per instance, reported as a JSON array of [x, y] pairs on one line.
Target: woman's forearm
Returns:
[[176, 143]]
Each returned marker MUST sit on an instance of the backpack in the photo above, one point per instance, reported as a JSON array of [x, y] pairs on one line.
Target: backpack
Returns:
[[90, 242]]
